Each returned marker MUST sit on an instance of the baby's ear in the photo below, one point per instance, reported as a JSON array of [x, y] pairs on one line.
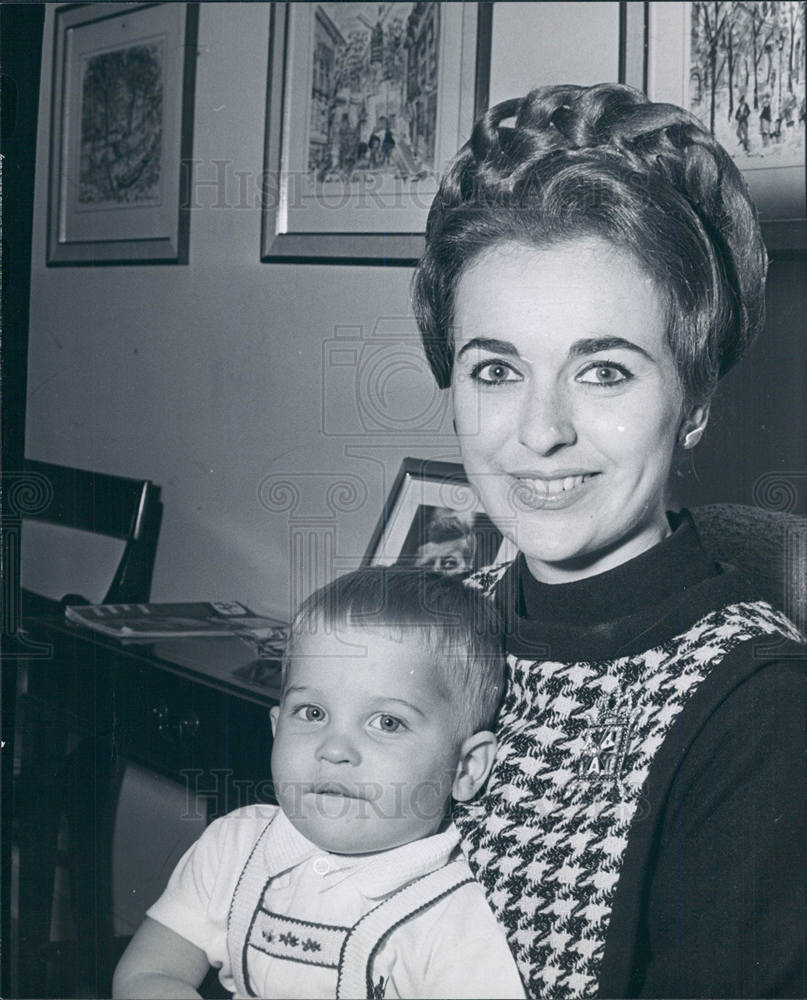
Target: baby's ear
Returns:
[[477, 755], [274, 712]]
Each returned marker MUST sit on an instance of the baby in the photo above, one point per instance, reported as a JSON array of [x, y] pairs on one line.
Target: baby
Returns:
[[353, 886]]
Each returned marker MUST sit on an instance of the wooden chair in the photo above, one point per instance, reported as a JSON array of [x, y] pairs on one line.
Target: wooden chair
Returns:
[[54, 760], [118, 507]]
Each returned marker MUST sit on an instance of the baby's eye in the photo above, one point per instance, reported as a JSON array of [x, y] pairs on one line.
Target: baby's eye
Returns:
[[387, 723], [606, 374], [495, 373], [311, 713]]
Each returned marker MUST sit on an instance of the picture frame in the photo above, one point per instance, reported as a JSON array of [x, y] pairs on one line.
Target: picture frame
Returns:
[[365, 104], [121, 133], [433, 518], [666, 54]]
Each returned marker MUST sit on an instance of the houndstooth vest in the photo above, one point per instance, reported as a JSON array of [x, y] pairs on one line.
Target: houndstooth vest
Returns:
[[576, 741]]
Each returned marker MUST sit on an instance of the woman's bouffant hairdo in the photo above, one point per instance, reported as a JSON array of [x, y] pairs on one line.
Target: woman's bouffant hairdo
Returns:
[[604, 162]]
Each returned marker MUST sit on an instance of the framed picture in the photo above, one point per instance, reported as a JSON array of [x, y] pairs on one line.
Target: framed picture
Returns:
[[366, 103], [433, 518], [740, 67], [121, 133]]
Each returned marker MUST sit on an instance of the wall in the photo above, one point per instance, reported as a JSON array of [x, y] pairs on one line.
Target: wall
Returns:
[[540, 43], [213, 378], [209, 378], [755, 448]]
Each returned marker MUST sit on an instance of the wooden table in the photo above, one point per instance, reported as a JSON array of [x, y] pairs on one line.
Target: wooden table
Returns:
[[192, 709]]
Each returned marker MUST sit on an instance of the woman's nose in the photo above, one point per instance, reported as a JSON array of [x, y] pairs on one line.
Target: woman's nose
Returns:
[[336, 747], [546, 422]]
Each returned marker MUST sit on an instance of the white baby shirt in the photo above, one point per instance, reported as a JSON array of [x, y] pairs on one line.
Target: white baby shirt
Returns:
[[309, 900]]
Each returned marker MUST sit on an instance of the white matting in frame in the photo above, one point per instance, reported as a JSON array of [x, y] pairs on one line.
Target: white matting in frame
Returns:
[[121, 127], [773, 165], [354, 146]]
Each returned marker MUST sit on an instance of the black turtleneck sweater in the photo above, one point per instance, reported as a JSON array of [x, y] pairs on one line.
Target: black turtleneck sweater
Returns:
[[643, 831]]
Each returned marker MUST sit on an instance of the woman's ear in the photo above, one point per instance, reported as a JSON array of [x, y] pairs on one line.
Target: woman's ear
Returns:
[[693, 426], [274, 712], [477, 755]]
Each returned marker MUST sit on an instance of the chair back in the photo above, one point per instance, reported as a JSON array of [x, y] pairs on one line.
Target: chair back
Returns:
[[115, 506], [64, 712], [768, 547]]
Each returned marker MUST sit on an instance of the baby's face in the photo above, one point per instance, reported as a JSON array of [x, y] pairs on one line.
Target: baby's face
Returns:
[[365, 743]]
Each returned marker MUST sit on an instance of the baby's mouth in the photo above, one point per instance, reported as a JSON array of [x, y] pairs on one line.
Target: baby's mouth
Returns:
[[335, 790]]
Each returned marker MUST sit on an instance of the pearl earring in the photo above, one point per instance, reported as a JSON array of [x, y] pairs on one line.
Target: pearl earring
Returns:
[[692, 437]]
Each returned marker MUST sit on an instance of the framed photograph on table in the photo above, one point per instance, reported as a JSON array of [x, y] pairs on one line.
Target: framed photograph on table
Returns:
[[433, 518], [366, 104], [121, 133], [740, 68]]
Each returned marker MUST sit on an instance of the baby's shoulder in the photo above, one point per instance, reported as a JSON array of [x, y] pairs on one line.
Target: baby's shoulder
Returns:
[[240, 829], [261, 812]]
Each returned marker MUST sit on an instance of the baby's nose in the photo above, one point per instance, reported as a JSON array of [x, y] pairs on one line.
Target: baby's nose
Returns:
[[338, 748]]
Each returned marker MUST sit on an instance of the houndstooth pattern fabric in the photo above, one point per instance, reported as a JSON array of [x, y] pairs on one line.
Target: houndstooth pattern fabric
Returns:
[[576, 741]]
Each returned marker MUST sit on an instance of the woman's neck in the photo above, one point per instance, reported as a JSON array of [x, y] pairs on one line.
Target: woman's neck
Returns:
[[622, 551], [632, 606]]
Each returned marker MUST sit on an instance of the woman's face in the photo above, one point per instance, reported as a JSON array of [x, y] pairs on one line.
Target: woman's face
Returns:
[[567, 403]]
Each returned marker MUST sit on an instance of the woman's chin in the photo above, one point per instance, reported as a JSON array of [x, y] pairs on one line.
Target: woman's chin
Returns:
[[564, 558]]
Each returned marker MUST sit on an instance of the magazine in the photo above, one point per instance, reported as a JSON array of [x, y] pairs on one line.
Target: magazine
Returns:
[[145, 622]]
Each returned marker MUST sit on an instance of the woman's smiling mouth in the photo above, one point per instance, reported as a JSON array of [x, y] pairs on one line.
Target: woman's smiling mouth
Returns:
[[539, 492]]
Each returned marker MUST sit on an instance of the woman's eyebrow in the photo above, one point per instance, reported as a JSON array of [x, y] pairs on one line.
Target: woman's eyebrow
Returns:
[[593, 345], [489, 344]]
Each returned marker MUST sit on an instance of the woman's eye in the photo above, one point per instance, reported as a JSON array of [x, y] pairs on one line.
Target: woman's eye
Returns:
[[387, 723], [605, 374], [494, 373]]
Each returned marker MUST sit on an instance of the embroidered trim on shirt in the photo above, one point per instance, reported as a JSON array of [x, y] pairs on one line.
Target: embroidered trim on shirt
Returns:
[[371, 930], [373, 989], [297, 940], [240, 919], [252, 854], [257, 936]]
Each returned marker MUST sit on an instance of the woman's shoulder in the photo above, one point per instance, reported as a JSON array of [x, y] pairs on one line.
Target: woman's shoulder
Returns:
[[750, 639], [753, 662]]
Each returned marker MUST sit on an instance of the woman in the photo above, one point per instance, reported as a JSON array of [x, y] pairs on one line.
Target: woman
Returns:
[[591, 271]]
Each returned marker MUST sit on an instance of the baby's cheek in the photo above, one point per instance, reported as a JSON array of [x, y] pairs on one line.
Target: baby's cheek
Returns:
[[286, 773], [282, 761], [427, 799]]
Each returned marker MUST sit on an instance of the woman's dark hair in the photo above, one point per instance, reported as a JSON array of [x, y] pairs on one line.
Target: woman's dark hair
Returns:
[[604, 162]]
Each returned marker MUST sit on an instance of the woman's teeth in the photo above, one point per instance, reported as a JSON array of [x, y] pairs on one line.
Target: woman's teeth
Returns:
[[551, 487]]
